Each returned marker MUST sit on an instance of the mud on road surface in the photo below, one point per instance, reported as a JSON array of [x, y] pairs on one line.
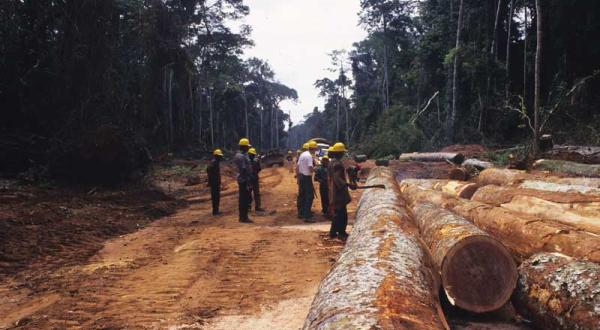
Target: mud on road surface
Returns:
[[187, 270]]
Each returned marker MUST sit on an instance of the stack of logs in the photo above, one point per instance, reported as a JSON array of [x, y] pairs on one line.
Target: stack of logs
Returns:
[[465, 240]]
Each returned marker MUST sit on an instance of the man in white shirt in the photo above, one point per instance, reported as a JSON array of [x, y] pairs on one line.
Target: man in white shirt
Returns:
[[306, 193]]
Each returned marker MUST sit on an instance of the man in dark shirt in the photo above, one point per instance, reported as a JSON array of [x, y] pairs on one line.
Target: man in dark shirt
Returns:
[[213, 172], [243, 179], [341, 195], [321, 177], [254, 179]]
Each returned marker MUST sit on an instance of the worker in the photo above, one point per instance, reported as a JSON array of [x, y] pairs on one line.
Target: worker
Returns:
[[322, 177], [306, 193], [331, 154], [289, 158], [341, 195], [300, 197], [213, 171], [254, 179], [243, 179]]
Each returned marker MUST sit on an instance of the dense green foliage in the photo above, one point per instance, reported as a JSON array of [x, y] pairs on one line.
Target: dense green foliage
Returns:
[[89, 83], [402, 75]]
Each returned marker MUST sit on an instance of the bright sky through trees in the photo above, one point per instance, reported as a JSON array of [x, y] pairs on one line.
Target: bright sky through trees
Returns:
[[295, 36]]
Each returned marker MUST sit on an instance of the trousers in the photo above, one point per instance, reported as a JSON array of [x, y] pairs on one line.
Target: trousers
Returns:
[[243, 200], [215, 197], [324, 191], [340, 221], [306, 195]]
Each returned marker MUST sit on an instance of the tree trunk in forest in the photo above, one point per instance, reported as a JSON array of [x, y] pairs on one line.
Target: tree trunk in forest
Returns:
[[468, 259], [170, 109], [455, 158], [454, 188], [538, 78], [494, 48], [580, 211], [200, 119], [246, 114], [261, 129], [525, 54], [452, 122], [192, 113], [566, 167], [559, 292], [212, 124], [384, 278], [508, 42], [524, 234], [337, 118]]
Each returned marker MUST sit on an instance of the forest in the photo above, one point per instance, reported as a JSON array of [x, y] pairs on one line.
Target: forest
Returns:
[[88, 86], [436, 72]]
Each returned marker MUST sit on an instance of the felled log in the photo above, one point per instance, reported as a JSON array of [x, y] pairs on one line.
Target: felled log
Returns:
[[502, 177], [468, 258], [508, 177], [455, 158], [478, 164], [559, 187], [559, 292], [580, 154], [563, 166], [382, 162], [459, 173], [360, 158], [578, 210], [384, 277], [524, 234], [452, 187]]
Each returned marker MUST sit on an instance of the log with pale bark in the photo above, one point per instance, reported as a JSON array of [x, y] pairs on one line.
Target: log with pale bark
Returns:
[[502, 177], [559, 292], [455, 188], [468, 259], [508, 177], [455, 158], [560, 187], [566, 167], [578, 210], [580, 154], [524, 234], [477, 164], [384, 278]]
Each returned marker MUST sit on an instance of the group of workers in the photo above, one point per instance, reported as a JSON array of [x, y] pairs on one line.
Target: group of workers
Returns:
[[329, 172]]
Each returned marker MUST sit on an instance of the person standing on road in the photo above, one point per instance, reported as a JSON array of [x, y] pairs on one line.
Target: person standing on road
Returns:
[[213, 171], [341, 195], [306, 168], [243, 179], [300, 197], [290, 160], [322, 177], [254, 179]]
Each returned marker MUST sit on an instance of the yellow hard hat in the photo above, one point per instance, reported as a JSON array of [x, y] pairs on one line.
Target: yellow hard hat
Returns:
[[305, 146], [325, 157], [217, 152], [244, 142], [312, 144], [289, 151], [339, 147], [252, 151], [330, 149]]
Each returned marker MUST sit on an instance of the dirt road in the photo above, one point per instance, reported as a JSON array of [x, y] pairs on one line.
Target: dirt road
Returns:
[[186, 271]]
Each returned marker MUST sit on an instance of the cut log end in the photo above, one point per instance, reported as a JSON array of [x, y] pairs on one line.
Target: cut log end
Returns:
[[483, 288], [458, 173]]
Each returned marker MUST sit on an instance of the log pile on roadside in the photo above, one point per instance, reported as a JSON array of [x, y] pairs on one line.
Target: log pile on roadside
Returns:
[[476, 233]]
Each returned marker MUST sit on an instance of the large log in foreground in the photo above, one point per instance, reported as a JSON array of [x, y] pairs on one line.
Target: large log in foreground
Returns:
[[455, 158], [566, 167], [384, 277], [581, 154], [524, 234], [559, 292], [468, 259], [453, 187]]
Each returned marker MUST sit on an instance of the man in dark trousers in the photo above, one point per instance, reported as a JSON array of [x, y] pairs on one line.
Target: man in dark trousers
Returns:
[[341, 195], [213, 171], [243, 179], [306, 193], [321, 177], [254, 179]]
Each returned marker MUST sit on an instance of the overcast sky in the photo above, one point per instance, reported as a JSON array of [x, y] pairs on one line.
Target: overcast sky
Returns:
[[295, 36]]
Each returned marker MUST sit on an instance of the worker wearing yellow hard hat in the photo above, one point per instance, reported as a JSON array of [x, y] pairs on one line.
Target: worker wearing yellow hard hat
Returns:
[[255, 168], [339, 192], [244, 167], [213, 173], [322, 178], [306, 168]]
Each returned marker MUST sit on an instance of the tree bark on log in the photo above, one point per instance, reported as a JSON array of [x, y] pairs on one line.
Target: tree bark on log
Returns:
[[478, 164], [559, 187], [563, 166], [468, 258], [559, 292], [581, 211], [455, 158], [580, 154], [384, 277], [508, 177], [452, 187], [524, 234], [459, 173]]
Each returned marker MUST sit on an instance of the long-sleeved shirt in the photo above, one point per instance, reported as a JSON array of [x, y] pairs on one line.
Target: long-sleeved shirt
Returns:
[[321, 175], [213, 172], [243, 166], [255, 169], [341, 195]]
